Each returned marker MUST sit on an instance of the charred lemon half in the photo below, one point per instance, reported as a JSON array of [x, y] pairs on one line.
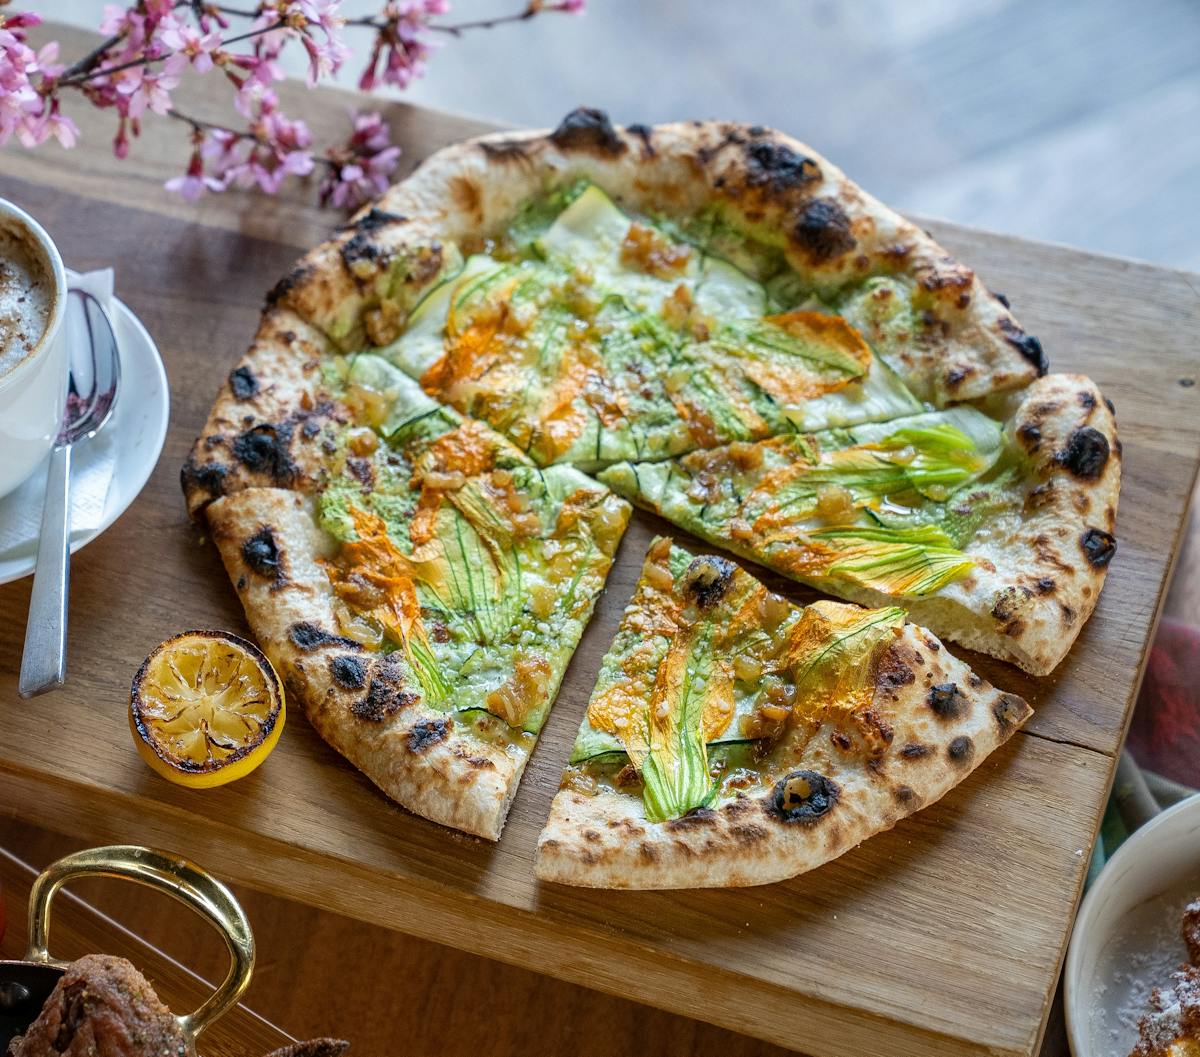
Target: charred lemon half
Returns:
[[206, 708]]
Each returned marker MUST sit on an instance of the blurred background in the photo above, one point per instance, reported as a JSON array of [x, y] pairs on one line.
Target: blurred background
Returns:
[[1075, 121]]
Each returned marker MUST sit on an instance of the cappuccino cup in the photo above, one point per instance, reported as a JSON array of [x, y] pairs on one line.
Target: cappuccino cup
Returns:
[[33, 352]]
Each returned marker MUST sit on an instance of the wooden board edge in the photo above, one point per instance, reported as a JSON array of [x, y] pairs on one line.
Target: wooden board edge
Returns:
[[775, 1015]]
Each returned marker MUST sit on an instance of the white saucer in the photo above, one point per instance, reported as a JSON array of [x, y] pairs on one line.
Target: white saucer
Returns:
[[137, 430]]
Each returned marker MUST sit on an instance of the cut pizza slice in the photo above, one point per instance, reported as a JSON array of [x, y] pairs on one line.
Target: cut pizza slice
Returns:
[[601, 294], [423, 592], [604, 338], [994, 532], [734, 738]]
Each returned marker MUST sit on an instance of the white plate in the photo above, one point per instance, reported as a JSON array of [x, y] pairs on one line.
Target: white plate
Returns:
[[1126, 939], [138, 428]]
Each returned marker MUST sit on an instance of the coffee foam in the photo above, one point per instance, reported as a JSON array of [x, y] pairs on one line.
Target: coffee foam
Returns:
[[26, 296]]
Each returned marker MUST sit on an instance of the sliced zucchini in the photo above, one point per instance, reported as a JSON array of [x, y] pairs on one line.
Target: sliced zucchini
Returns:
[[418, 348], [878, 397], [728, 293]]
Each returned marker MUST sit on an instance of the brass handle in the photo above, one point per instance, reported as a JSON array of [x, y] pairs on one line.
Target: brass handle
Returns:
[[180, 878]]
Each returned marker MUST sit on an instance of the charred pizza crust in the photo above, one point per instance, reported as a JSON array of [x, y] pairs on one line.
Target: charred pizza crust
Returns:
[[357, 700], [266, 425], [1039, 572], [359, 286], [939, 722]]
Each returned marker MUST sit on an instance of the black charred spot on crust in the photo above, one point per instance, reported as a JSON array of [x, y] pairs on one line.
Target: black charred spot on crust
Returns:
[[1098, 547], [1030, 436], [823, 230], [1026, 344], [428, 732], [261, 554], [1001, 298], [386, 694], [1086, 453], [946, 701], [243, 383], [698, 816], [958, 374], [778, 167], [348, 672], [295, 278], [646, 135], [803, 796], [707, 579], [1009, 601], [206, 477], [360, 255], [961, 749], [1045, 586], [915, 751], [1009, 710], [265, 449], [841, 740], [893, 671], [374, 219], [506, 149], [307, 636], [1086, 400], [706, 154], [905, 795], [587, 128]]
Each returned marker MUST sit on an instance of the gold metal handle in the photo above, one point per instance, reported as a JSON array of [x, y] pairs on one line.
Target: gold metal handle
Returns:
[[180, 878]]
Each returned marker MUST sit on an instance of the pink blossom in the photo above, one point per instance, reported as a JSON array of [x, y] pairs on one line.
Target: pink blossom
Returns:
[[23, 110], [145, 90], [325, 58], [404, 44], [49, 124], [45, 61], [359, 170], [186, 40], [194, 181]]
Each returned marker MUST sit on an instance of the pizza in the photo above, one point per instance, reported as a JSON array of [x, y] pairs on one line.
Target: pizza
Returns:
[[994, 530], [413, 473], [734, 738], [424, 600]]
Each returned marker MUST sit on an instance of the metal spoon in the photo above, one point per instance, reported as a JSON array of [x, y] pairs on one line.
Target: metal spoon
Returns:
[[94, 373]]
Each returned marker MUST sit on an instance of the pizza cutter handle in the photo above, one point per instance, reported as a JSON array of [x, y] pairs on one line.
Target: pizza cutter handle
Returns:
[[177, 877]]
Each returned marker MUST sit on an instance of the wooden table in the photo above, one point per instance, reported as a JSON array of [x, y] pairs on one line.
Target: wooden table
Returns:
[[78, 928], [944, 936]]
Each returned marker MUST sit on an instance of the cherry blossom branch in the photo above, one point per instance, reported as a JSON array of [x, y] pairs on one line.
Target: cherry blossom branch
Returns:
[[150, 45]]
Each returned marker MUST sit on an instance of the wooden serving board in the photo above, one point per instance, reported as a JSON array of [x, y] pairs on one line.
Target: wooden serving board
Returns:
[[944, 936]]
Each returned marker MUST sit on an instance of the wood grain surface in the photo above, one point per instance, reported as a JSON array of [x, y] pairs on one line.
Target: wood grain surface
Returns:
[[943, 936], [78, 928]]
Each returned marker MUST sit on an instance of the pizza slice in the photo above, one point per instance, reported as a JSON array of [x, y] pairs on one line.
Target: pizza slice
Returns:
[[604, 337], [417, 581], [995, 532], [602, 294], [734, 738]]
